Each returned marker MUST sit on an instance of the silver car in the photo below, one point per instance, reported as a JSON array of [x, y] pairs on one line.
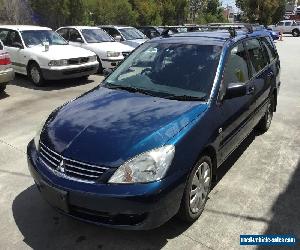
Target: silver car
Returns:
[[6, 71], [125, 34]]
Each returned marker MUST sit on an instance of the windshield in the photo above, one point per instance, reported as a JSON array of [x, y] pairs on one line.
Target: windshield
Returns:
[[96, 36], [169, 70], [38, 37], [132, 34]]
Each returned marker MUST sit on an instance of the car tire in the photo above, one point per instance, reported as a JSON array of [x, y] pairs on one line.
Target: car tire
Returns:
[[265, 122], [2, 88], [35, 74], [296, 33], [196, 191]]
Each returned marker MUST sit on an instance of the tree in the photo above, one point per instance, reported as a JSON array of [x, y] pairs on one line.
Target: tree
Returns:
[[196, 6], [16, 11], [78, 14], [212, 12], [51, 13], [263, 11], [114, 12], [148, 12]]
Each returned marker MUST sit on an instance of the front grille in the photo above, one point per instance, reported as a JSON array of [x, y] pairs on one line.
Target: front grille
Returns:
[[125, 54], [76, 61], [70, 168]]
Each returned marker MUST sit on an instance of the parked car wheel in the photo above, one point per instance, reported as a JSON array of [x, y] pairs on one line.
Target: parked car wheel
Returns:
[[296, 33], [100, 68], [196, 191], [265, 123], [35, 74]]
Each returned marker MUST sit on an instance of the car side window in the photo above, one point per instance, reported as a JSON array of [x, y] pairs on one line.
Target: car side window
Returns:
[[74, 35], [236, 69], [268, 48], [256, 56], [288, 24], [64, 33], [280, 23], [112, 32], [4, 35], [1, 46], [12, 38]]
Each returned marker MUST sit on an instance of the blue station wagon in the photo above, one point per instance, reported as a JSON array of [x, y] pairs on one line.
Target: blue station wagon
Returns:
[[146, 144]]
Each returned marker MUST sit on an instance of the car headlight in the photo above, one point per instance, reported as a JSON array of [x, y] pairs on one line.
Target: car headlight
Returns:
[[147, 167], [62, 62], [93, 58], [113, 54]]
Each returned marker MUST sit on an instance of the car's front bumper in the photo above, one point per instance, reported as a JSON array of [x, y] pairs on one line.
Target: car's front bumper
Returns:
[[135, 207], [69, 72], [6, 76], [110, 63]]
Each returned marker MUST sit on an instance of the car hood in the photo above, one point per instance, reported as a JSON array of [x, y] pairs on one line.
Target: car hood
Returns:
[[107, 127], [58, 52], [134, 43], [109, 46]]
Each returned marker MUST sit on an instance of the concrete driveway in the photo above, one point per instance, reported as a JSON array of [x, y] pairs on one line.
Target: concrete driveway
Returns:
[[258, 193]]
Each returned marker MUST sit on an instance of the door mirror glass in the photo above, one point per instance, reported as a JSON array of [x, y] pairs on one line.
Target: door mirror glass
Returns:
[[235, 90], [79, 40], [17, 45], [118, 38]]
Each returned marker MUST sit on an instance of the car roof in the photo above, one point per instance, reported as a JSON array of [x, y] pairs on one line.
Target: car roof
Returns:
[[23, 27], [79, 27], [218, 37], [115, 26]]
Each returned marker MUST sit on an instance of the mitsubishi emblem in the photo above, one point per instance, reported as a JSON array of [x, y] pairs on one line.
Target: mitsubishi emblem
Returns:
[[61, 167]]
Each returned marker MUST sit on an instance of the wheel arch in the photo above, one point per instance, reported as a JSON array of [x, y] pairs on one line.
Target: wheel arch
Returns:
[[211, 152], [30, 62]]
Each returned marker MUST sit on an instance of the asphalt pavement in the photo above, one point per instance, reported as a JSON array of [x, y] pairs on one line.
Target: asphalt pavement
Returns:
[[258, 192]]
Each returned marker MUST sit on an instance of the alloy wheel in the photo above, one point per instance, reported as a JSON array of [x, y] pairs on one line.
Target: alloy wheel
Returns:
[[200, 187]]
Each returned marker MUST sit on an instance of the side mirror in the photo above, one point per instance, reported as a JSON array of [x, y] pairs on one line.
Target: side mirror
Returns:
[[18, 45], [79, 40], [107, 72], [235, 90], [118, 38]]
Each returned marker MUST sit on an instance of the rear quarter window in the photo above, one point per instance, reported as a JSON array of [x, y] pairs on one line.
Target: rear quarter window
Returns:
[[1, 46]]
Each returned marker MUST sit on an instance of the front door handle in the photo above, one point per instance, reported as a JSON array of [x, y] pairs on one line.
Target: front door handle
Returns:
[[251, 90]]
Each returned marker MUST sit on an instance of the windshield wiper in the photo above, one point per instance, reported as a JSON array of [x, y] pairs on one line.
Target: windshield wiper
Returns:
[[186, 98], [129, 89]]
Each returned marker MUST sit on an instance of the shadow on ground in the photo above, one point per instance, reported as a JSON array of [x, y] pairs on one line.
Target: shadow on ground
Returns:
[[23, 82], [286, 210], [44, 228], [3, 95]]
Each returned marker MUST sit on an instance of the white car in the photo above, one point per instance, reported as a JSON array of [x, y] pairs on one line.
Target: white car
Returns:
[[6, 71], [109, 52], [288, 27], [126, 34], [42, 54]]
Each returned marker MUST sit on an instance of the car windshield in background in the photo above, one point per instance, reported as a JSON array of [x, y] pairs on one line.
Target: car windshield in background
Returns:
[[132, 34], [175, 71], [96, 36], [38, 37]]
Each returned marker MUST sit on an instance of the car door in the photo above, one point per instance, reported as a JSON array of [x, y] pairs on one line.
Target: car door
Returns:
[[75, 38], [261, 76], [234, 114], [15, 47], [288, 27]]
